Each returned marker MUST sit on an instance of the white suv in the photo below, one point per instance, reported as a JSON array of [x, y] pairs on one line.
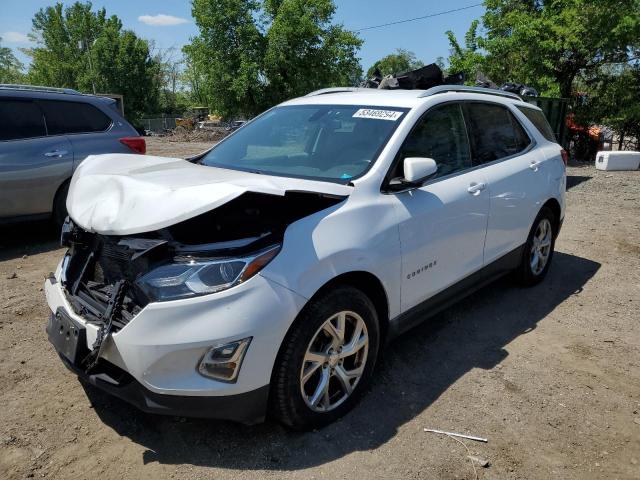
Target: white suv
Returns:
[[265, 275]]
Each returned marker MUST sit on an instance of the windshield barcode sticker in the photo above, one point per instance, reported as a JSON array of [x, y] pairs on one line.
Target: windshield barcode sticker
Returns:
[[378, 114]]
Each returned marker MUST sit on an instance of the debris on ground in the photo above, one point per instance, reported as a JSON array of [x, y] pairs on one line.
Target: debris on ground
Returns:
[[196, 135], [483, 462], [452, 434]]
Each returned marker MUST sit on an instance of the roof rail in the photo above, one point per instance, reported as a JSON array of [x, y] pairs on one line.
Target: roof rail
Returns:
[[37, 88], [463, 88], [324, 91]]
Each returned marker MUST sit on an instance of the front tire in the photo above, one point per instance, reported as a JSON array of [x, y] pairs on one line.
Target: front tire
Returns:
[[538, 251], [326, 360]]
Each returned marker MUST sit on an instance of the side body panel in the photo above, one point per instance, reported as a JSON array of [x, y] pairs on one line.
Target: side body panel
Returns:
[[358, 235], [442, 233], [518, 187], [31, 171]]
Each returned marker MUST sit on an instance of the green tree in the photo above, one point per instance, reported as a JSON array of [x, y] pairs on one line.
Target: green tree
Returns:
[[228, 54], [84, 49], [548, 44], [251, 54], [614, 100], [305, 51], [11, 69], [172, 97], [401, 61], [467, 59]]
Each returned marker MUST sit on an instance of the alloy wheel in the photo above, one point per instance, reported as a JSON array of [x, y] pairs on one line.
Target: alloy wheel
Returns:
[[334, 361], [541, 247]]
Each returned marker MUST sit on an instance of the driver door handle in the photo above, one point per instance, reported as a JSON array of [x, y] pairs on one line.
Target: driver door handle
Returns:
[[476, 188], [56, 153]]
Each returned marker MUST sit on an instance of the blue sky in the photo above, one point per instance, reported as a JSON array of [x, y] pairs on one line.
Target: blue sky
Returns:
[[169, 23]]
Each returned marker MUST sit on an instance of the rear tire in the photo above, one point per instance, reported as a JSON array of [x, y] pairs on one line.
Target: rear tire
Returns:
[[60, 205], [317, 377], [538, 251]]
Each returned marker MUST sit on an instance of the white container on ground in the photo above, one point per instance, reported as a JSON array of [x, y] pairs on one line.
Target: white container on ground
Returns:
[[625, 160]]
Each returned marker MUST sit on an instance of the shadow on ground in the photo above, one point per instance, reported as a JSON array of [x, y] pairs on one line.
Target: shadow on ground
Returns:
[[28, 238], [417, 368], [574, 180]]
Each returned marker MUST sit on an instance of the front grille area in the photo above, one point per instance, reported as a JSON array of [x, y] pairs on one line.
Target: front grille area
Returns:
[[99, 280]]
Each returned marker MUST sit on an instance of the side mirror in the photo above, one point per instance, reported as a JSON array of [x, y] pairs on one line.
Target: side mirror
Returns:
[[418, 168]]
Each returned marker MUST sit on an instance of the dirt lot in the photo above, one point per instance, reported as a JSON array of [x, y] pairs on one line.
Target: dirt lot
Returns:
[[550, 375]]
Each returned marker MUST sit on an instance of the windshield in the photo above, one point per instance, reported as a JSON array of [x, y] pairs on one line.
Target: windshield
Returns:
[[322, 142]]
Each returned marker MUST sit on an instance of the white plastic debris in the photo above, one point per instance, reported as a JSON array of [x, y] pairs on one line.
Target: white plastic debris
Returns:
[[625, 160], [468, 437]]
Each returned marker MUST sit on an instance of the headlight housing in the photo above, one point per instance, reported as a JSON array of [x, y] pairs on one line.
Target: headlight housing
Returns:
[[200, 276]]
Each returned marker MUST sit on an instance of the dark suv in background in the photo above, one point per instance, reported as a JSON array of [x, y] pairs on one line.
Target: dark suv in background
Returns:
[[44, 135]]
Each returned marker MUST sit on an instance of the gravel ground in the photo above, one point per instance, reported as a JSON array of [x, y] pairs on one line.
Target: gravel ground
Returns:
[[550, 375]]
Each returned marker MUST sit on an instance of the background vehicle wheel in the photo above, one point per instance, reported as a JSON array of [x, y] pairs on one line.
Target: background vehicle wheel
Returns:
[[60, 205], [326, 360], [538, 251]]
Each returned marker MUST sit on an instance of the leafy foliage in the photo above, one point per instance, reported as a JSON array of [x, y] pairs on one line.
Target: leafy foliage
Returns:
[[86, 50], [11, 69], [401, 61], [467, 59], [548, 44], [251, 54], [615, 102]]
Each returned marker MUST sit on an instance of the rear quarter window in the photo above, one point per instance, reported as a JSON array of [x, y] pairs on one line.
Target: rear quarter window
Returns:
[[73, 117], [20, 119], [540, 122], [494, 132]]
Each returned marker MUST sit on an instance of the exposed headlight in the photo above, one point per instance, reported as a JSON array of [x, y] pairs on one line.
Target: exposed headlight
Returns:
[[195, 277]]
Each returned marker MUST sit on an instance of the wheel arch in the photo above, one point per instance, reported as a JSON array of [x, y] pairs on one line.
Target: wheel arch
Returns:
[[59, 190], [371, 286], [364, 281], [553, 205]]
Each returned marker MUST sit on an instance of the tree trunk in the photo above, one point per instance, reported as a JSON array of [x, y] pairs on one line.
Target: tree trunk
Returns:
[[621, 140], [566, 86]]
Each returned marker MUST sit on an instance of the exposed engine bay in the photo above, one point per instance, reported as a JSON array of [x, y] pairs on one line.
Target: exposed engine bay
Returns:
[[101, 273]]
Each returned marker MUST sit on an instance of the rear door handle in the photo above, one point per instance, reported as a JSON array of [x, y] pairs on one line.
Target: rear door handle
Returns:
[[534, 165], [56, 153], [476, 188]]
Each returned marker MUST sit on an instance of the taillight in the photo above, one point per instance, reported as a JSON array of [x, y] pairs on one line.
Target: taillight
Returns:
[[565, 157], [136, 144]]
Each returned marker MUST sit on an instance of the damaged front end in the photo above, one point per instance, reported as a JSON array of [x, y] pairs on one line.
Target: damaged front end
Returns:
[[109, 279]]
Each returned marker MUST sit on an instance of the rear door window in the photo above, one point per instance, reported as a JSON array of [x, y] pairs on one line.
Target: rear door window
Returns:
[[494, 132], [540, 122], [73, 117], [20, 119]]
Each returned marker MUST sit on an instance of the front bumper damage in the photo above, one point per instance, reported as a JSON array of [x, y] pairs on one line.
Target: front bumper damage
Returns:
[[152, 361], [146, 352], [248, 408]]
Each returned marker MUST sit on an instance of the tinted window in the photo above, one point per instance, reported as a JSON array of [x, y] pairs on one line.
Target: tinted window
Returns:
[[540, 122], [332, 142], [73, 117], [494, 132], [20, 119], [440, 135]]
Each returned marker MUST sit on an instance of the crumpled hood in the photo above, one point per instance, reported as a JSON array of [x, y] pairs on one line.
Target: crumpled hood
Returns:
[[118, 194]]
